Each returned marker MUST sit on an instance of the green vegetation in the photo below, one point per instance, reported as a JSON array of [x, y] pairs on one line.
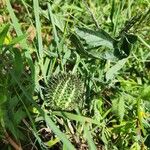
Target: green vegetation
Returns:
[[74, 75]]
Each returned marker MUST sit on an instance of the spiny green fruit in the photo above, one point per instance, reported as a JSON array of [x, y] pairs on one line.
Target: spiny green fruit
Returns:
[[64, 92]]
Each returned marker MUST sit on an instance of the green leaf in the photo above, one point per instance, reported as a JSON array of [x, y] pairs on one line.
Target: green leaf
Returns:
[[3, 98], [104, 137], [3, 34], [15, 23], [77, 43], [146, 142], [18, 62], [124, 45], [89, 138], [80, 48], [18, 39], [95, 38], [38, 27], [19, 32], [59, 22], [131, 38], [135, 146], [61, 135], [51, 16], [52, 142], [118, 107], [76, 117], [114, 69]]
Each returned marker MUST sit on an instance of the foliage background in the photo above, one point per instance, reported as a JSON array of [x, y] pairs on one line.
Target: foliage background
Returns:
[[40, 39]]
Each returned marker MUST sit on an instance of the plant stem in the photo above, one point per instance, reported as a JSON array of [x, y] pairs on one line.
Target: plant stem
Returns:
[[12, 142], [140, 116]]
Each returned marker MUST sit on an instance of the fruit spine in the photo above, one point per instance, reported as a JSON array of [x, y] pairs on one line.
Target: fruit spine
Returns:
[[64, 92]]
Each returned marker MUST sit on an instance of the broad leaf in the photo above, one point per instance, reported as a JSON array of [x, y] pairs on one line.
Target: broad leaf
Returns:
[[79, 46], [124, 45], [92, 53], [95, 38], [101, 39]]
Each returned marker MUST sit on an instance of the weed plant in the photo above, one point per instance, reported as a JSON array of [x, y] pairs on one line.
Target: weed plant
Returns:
[[74, 75]]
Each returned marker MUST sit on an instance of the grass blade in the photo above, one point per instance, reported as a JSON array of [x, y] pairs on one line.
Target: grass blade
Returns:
[[76, 117], [61, 135], [3, 34], [89, 138], [19, 33], [16, 23], [38, 27]]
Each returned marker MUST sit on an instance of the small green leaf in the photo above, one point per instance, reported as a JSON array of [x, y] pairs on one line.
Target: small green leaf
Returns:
[[18, 39], [114, 69], [103, 137], [52, 142], [59, 22], [3, 34], [118, 107]]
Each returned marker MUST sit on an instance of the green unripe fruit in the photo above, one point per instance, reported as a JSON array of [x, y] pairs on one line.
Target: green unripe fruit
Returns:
[[63, 92]]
